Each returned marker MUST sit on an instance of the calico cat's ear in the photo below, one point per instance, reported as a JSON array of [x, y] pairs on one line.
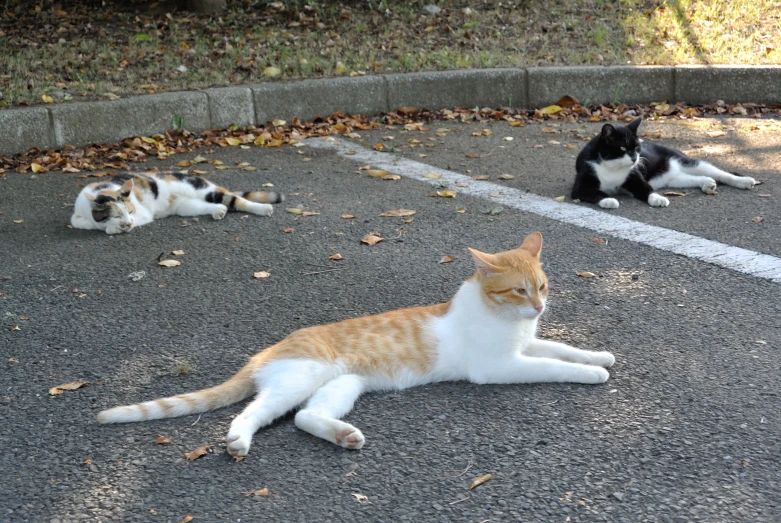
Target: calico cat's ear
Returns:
[[635, 124], [90, 196], [484, 263], [126, 188], [533, 244], [608, 132]]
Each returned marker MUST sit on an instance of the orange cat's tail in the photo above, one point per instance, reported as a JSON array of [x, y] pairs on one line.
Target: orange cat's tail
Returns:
[[262, 196], [241, 385]]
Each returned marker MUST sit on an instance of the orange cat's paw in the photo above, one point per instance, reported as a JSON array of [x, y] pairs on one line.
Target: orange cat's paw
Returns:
[[238, 443], [349, 438]]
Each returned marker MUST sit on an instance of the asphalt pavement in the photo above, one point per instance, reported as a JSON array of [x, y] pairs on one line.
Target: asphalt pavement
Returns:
[[686, 429]]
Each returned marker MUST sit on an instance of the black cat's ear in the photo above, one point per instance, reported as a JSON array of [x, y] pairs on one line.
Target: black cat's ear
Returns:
[[635, 124], [608, 132]]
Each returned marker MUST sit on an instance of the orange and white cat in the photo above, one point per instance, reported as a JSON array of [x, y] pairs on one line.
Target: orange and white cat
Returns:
[[485, 334]]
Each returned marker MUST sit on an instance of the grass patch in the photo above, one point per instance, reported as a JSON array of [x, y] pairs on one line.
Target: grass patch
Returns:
[[79, 51], [182, 368]]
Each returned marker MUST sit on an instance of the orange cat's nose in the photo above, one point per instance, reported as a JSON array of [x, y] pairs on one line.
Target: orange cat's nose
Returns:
[[539, 308]]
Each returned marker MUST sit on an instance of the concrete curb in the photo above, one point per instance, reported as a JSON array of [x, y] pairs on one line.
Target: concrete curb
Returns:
[[85, 123]]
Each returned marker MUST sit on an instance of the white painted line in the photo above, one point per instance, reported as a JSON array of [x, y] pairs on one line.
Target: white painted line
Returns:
[[740, 260]]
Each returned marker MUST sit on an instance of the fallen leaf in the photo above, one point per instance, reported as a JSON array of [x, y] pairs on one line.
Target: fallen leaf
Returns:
[[764, 195], [288, 230], [187, 518], [597, 240], [585, 274], [260, 274], [169, 263], [15, 328], [197, 453], [47, 99], [310, 213], [480, 480], [551, 109], [447, 193], [392, 177], [517, 124], [36, 167], [185, 163], [508, 138], [716, 134], [238, 459], [177, 253], [272, 71], [674, 193], [294, 210], [198, 172], [13, 360], [408, 110], [711, 193], [347, 216], [233, 141], [549, 130], [260, 492], [567, 101], [482, 177], [559, 198], [379, 147], [461, 210], [446, 259], [399, 212], [340, 68], [73, 385], [432, 176], [376, 173], [373, 238], [473, 155], [162, 440], [336, 257], [96, 174], [662, 107], [757, 219], [462, 184], [360, 498], [506, 177], [18, 221]]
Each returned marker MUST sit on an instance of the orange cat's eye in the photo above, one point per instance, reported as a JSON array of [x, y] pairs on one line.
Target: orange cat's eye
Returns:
[[520, 291], [542, 287]]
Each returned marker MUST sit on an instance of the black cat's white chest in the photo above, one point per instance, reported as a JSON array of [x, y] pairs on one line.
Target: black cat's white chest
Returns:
[[612, 174]]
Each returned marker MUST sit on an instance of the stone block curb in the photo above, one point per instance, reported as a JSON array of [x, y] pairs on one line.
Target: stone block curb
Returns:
[[601, 85], [448, 89], [80, 124], [697, 84]]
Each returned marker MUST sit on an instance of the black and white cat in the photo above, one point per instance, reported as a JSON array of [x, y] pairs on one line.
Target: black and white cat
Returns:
[[618, 159]]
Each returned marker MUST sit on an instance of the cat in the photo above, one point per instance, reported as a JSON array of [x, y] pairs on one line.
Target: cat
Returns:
[[484, 334], [126, 201], [618, 159]]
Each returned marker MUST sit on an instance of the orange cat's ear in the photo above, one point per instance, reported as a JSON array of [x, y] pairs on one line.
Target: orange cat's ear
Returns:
[[484, 263], [533, 244]]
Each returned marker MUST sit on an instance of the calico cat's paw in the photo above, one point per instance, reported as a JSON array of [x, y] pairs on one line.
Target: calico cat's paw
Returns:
[[602, 359], [657, 200], [220, 212], [608, 203], [744, 182], [349, 437], [709, 185]]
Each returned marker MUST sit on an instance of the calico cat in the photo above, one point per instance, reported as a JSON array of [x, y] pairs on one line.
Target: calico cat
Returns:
[[618, 159], [485, 334], [126, 201]]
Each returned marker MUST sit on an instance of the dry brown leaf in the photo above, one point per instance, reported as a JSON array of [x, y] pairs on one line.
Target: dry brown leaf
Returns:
[[169, 263], [551, 109], [517, 124], [272, 71], [187, 518], [360, 498], [233, 141], [379, 147], [549, 130], [336, 257], [288, 230], [13, 360], [399, 212], [674, 193], [365, 168], [177, 253], [480, 480], [716, 134], [239, 459], [73, 385], [757, 219], [373, 238], [473, 155], [260, 492], [18, 221], [447, 193], [711, 193], [446, 259], [185, 163], [15, 328], [260, 274], [597, 240], [309, 213], [162, 440], [47, 99], [408, 110], [347, 216], [392, 177], [559, 198], [567, 101], [376, 173], [294, 210], [482, 177], [199, 172], [197, 453], [432, 176], [506, 177], [95, 174], [462, 184], [461, 210], [586, 274], [36, 167]]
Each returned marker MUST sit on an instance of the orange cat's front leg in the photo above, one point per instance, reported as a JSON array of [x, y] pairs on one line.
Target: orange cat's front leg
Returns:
[[553, 349]]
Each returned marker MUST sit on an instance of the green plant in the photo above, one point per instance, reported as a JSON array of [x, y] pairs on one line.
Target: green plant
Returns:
[[617, 93], [177, 124], [182, 368]]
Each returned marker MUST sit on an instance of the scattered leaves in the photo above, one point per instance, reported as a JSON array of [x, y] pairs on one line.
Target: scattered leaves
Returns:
[[373, 238], [551, 109], [336, 257], [674, 193], [162, 440], [260, 274], [399, 212], [480, 480], [263, 492], [178, 253], [376, 173], [586, 274], [169, 263], [446, 259], [197, 453]]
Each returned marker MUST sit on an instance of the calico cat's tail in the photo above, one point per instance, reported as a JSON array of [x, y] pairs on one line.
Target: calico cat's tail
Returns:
[[263, 196], [241, 385]]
